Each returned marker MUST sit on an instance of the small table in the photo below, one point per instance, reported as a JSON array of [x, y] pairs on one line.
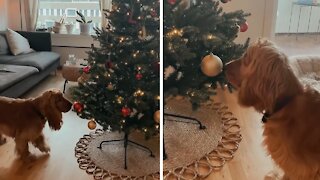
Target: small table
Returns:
[[71, 72]]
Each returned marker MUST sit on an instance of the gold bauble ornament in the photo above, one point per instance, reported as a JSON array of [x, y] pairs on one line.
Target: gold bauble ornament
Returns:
[[110, 87], [92, 124], [156, 116], [211, 65], [179, 97]]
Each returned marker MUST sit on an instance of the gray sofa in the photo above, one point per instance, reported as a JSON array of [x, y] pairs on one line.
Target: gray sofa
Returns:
[[20, 73]]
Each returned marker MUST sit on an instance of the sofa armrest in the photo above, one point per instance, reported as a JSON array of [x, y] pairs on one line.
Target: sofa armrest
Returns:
[[39, 41], [305, 64]]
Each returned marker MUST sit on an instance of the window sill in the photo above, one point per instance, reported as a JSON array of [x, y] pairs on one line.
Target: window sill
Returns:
[[72, 40]]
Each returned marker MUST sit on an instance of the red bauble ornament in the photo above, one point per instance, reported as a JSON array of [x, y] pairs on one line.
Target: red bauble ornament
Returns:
[[131, 21], [224, 1], [172, 2], [138, 76], [108, 64], [244, 27], [125, 111], [153, 13], [78, 107], [86, 69], [156, 66]]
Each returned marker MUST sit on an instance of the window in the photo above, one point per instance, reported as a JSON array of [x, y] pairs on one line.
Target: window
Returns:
[[71, 12], [54, 10]]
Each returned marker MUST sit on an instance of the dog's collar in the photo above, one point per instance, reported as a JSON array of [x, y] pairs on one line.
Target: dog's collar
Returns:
[[279, 106]]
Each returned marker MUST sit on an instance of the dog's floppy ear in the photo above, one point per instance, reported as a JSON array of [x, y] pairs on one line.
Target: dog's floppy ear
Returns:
[[50, 110]]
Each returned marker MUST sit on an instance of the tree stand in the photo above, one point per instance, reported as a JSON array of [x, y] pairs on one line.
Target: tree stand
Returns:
[[184, 119], [126, 141]]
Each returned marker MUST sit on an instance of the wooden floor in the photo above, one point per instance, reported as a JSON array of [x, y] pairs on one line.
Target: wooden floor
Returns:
[[250, 162]]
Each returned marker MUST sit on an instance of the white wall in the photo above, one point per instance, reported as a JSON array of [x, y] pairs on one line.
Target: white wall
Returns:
[[3, 15], [288, 18], [261, 22], [13, 14]]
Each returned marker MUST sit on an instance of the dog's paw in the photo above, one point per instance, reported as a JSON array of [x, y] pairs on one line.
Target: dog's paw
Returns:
[[3, 140]]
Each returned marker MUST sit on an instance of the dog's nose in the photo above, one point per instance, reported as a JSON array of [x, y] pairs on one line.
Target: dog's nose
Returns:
[[232, 71], [228, 67], [69, 105]]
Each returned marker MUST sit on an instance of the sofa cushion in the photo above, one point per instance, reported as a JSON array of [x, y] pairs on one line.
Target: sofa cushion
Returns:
[[11, 74], [4, 49], [5, 58], [40, 60], [17, 43]]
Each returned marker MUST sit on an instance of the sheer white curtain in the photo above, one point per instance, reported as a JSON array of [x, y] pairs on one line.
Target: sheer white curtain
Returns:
[[29, 13], [105, 4]]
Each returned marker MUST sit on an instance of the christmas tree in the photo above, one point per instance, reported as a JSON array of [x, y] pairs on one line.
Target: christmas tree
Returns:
[[198, 41], [120, 86]]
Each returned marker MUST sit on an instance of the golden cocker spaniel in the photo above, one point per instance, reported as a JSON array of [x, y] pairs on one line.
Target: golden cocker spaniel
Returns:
[[24, 119], [266, 82]]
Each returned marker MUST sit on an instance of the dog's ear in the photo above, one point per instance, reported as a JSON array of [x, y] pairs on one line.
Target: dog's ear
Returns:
[[51, 111]]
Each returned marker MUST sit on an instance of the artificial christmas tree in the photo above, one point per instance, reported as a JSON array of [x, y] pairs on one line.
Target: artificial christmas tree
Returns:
[[121, 90], [198, 42]]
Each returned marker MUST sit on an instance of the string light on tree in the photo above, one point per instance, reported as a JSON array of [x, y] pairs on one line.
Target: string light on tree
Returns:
[[210, 37], [138, 93], [175, 32], [119, 99]]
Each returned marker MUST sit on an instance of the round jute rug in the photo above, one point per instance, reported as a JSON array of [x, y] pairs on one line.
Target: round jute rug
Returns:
[[194, 153], [108, 162]]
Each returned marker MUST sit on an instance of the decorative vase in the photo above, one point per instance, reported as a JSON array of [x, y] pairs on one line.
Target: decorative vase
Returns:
[[69, 28], [57, 27], [85, 28]]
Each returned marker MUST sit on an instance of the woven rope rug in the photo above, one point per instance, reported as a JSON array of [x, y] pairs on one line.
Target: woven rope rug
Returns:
[[108, 162], [193, 153]]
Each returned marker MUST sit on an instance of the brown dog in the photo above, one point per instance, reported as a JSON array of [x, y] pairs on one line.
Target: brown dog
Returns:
[[24, 119], [266, 82]]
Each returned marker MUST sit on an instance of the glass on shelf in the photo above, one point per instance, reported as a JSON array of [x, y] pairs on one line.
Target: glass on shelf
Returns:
[[71, 60]]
